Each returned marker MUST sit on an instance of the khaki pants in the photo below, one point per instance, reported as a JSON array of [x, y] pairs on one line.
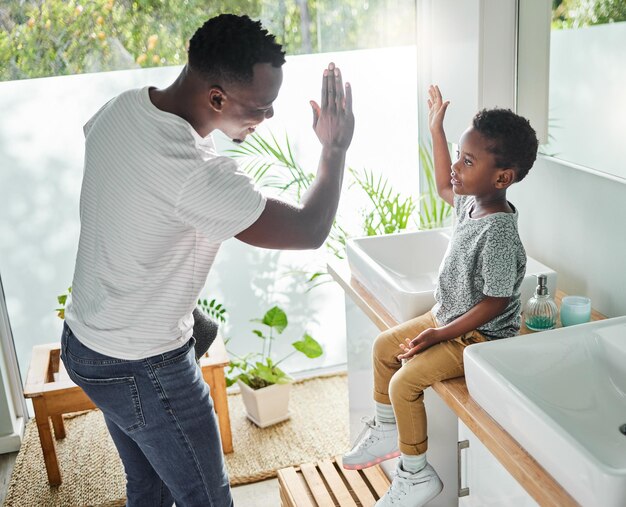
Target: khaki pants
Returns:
[[403, 386]]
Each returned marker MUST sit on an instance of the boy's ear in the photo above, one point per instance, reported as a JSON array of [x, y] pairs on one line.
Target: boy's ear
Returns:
[[505, 178]]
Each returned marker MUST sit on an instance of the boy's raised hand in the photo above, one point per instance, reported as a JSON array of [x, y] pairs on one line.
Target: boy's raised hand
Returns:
[[436, 108]]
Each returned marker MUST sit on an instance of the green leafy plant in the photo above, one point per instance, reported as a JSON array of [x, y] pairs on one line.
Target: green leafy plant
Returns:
[[391, 212], [62, 299], [434, 211], [261, 155], [215, 310], [273, 164], [259, 370]]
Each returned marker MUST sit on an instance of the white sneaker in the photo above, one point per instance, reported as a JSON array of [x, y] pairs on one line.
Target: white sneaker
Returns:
[[412, 490], [376, 443]]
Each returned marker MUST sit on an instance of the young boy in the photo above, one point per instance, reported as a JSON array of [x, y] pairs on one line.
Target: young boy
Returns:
[[477, 295]]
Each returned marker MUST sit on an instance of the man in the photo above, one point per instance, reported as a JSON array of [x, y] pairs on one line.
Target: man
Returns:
[[156, 203]]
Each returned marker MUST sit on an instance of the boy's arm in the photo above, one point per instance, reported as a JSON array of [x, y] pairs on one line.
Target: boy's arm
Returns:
[[484, 311], [443, 164]]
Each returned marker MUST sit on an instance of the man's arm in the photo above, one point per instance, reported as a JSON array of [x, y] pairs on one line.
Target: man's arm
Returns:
[[288, 226], [443, 164], [481, 313]]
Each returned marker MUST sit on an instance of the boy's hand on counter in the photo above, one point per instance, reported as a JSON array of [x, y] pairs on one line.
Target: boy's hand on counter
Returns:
[[425, 339], [436, 109]]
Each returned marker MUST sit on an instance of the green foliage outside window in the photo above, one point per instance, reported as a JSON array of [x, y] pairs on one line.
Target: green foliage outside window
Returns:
[[41, 38], [579, 13]]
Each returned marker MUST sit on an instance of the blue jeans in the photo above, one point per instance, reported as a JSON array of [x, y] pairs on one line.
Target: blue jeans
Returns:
[[161, 418]]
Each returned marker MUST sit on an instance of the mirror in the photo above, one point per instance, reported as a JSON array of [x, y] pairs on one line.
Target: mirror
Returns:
[[587, 103]]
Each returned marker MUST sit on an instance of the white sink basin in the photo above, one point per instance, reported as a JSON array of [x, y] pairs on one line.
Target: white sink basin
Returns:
[[401, 269], [562, 395]]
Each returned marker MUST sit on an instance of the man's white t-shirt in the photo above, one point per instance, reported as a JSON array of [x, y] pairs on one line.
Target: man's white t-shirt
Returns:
[[156, 203]]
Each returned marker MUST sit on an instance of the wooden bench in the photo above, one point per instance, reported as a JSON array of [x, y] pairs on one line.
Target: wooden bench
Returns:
[[327, 484], [53, 394]]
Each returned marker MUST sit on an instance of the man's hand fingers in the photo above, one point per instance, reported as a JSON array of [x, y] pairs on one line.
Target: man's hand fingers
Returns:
[[348, 98], [325, 89], [338, 89], [332, 87], [316, 112]]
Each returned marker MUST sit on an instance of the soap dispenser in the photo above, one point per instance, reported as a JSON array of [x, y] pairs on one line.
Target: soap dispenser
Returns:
[[540, 312]]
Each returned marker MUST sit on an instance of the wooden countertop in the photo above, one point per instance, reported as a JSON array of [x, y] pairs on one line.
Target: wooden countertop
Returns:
[[522, 466]]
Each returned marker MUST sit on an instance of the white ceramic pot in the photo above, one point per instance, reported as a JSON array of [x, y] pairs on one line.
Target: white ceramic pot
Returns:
[[266, 406]]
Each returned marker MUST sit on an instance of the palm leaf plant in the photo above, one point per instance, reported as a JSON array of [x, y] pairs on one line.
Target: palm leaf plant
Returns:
[[260, 155], [272, 163], [434, 211], [391, 212], [213, 309]]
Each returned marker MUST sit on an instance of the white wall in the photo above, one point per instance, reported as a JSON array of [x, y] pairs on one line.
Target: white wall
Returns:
[[573, 221]]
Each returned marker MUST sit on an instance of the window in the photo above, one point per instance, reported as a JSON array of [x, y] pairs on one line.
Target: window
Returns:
[[72, 46]]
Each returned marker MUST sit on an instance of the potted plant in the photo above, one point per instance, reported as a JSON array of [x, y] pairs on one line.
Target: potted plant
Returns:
[[264, 386]]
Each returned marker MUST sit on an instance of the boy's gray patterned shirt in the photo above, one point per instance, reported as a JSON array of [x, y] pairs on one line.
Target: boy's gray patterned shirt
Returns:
[[485, 258]]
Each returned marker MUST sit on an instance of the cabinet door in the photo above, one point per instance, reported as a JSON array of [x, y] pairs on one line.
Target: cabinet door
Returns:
[[487, 481]]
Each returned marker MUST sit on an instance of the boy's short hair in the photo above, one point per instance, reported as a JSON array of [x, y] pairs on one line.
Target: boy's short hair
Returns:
[[513, 141], [226, 47]]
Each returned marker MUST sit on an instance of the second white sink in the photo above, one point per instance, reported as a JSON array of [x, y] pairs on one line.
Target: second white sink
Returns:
[[562, 395], [401, 270]]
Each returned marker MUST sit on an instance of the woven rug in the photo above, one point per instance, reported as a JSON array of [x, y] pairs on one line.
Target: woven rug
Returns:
[[93, 474]]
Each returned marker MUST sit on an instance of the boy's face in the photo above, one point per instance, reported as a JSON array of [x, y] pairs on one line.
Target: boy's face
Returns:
[[475, 172]]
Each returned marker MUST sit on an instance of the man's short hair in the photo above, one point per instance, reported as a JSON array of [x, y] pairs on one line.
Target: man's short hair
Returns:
[[512, 140], [226, 47]]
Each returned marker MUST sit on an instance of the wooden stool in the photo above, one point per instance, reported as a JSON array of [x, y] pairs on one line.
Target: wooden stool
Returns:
[[53, 394], [327, 484]]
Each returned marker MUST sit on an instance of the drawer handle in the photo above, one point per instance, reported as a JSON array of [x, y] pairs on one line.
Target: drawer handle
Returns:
[[463, 444]]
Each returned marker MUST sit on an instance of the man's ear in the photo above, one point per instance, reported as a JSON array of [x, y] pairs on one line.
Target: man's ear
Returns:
[[216, 99], [505, 178]]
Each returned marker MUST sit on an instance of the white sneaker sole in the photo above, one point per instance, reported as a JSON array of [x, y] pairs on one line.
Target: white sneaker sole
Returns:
[[361, 466]]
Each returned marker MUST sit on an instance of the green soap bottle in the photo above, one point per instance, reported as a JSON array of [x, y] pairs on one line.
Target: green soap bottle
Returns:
[[540, 311]]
